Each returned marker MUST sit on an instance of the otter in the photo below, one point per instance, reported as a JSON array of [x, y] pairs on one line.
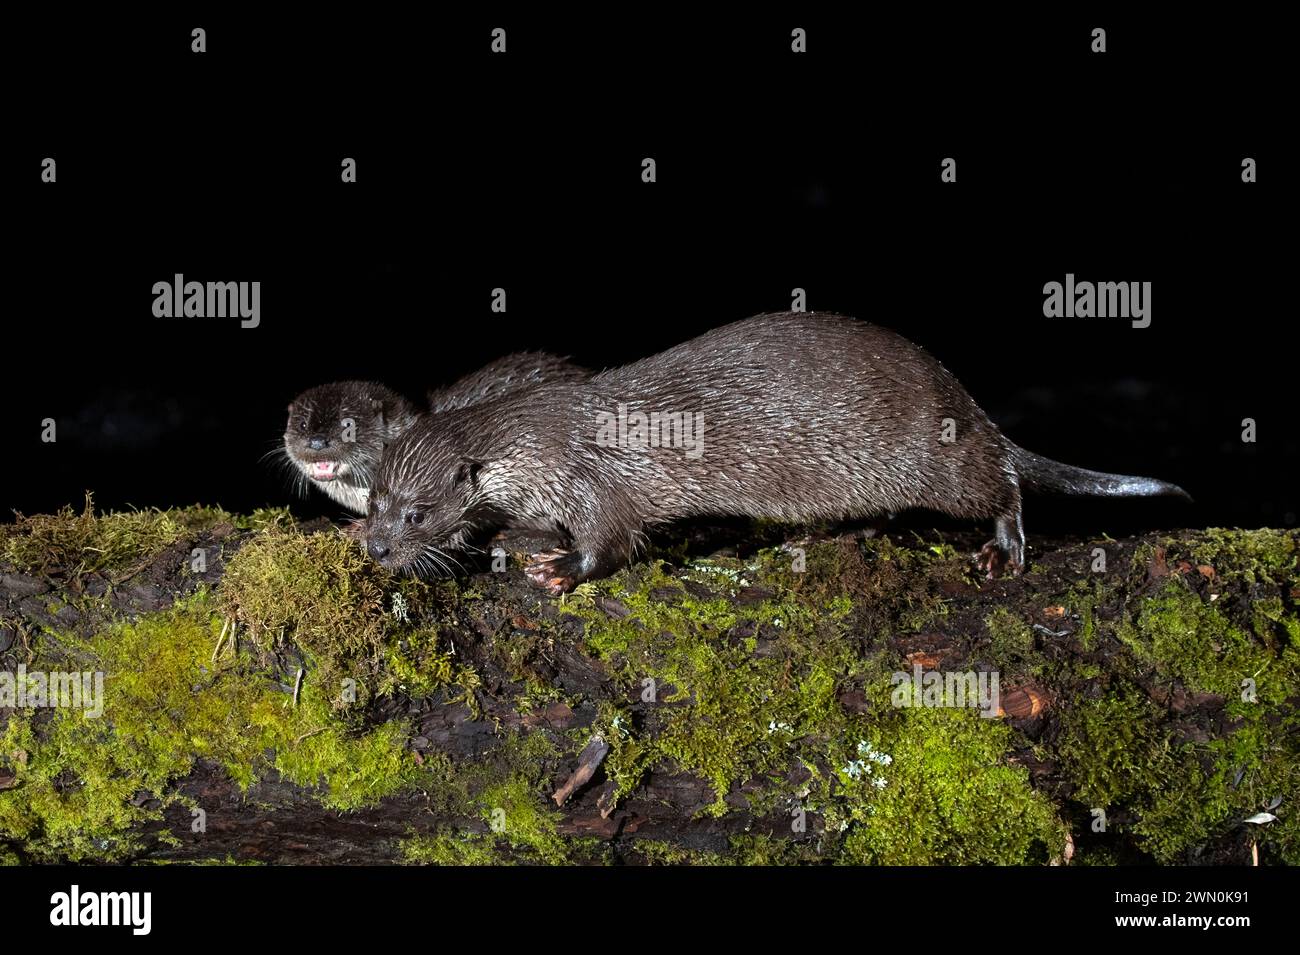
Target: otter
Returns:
[[513, 373], [336, 432], [786, 416]]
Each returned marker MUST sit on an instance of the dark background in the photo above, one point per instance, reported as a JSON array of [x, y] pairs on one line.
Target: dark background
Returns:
[[523, 171]]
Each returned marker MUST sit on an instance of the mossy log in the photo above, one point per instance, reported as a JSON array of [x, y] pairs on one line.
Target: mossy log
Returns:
[[272, 696]]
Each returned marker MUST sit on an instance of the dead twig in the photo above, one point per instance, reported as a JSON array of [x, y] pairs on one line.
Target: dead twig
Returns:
[[588, 760]]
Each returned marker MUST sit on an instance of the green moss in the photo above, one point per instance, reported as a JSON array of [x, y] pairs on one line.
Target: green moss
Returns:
[[1083, 600], [167, 705], [932, 786], [1219, 618], [84, 542], [318, 591], [1180, 795], [416, 664], [351, 619], [265, 518], [312, 749], [731, 715], [1185, 637], [1095, 855], [502, 800], [754, 849], [162, 709], [1011, 642], [515, 812], [1113, 748], [452, 848], [894, 589], [661, 852], [725, 714], [1255, 556]]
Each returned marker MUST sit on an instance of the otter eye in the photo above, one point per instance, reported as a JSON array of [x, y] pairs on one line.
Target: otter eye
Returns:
[[415, 517], [302, 426]]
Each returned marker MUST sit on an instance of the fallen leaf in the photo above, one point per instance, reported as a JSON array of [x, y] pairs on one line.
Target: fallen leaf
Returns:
[[1261, 817], [1158, 567]]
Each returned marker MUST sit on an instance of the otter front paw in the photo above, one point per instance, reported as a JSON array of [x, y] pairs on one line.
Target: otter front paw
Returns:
[[994, 560], [555, 571]]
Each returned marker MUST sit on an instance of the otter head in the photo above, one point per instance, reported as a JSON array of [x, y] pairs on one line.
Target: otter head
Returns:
[[337, 432], [422, 503]]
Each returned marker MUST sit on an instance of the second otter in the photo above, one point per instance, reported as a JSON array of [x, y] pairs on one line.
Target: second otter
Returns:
[[336, 432]]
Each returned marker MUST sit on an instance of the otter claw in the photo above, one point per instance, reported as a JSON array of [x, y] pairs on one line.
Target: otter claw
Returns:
[[545, 571], [993, 560]]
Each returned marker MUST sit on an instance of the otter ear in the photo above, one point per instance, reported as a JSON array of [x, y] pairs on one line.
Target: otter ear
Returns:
[[467, 472]]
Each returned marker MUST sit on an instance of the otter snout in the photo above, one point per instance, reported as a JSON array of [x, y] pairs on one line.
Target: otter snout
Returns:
[[385, 543]]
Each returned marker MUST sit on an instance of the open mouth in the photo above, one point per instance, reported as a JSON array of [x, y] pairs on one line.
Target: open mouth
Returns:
[[323, 470]]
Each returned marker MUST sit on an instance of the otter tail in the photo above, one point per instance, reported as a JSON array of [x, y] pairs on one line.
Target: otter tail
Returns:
[[1044, 474]]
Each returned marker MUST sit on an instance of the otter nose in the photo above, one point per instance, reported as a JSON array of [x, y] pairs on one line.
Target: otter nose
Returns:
[[377, 551], [318, 442]]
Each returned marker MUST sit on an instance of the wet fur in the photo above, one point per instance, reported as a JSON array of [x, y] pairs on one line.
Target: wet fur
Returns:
[[807, 417], [380, 416], [512, 373]]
